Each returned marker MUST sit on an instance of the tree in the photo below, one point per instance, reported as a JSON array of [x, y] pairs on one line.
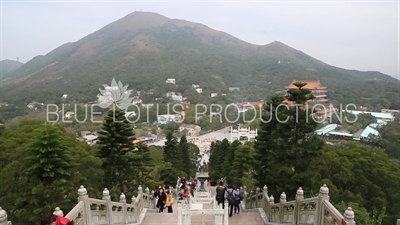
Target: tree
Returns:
[[49, 158], [184, 155], [287, 143], [228, 160], [49, 171], [171, 153], [117, 150], [242, 165]]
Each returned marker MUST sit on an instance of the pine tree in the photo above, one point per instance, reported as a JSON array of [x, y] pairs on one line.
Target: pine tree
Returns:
[[117, 150], [242, 164], [171, 153], [286, 144], [228, 160], [184, 156], [144, 166], [49, 159], [49, 173]]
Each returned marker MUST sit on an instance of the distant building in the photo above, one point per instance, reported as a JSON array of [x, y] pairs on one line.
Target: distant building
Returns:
[[170, 81], [64, 96], [244, 106], [214, 95], [195, 86], [164, 119], [68, 115], [199, 90], [317, 89], [192, 130], [234, 89], [185, 104], [136, 100]]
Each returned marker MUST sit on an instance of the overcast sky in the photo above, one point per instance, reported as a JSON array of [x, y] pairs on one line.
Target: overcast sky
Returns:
[[362, 35]]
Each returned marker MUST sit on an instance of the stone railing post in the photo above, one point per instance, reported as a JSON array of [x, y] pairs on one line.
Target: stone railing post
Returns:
[[257, 200], [398, 222], [266, 201], [281, 201], [323, 195], [180, 215], [245, 195], [299, 197], [3, 217], [122, 199], [83, 196], [349, 216], [153, 201], [58, 212], [226, 215], [148, 197], [107, 197]]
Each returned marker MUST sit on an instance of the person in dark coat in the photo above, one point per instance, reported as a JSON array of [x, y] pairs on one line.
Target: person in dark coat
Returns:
[[162, 198]]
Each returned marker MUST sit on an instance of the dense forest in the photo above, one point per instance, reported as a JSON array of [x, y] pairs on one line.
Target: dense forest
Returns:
[[286, 156], [43, 165]]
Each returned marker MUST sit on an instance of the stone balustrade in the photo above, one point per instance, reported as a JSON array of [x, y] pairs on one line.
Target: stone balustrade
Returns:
[[91, 211], [316, 210], [3, 217]]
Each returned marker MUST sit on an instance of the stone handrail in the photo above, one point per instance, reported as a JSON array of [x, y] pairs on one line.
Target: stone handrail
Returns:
[[316, 210], [76, 214], [91, 211]]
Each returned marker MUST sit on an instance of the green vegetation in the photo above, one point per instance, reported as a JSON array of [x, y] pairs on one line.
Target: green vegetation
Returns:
[[289, 155]]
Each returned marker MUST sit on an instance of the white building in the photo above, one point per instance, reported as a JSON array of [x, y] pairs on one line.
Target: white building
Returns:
[[195, 86], [192, 130], [170, 81], [64, 96], [199, 90], [214, 95], [237, 134]]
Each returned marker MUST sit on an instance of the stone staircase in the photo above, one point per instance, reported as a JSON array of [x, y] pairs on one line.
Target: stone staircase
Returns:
[[251, 217]]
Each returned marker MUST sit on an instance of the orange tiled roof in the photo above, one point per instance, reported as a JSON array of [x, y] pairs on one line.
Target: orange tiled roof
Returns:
[[311, 84]]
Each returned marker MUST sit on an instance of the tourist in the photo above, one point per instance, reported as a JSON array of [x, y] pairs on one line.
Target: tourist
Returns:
[[230, 196], [186, 194], [51, 219], [162, 198], [169, 201], [220, 193], [237, 199]]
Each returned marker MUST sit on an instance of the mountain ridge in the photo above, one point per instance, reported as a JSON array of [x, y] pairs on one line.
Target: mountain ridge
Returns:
[[144, 49]]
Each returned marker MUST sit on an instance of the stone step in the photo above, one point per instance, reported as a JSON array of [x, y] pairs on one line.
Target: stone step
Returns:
[[246, 218]]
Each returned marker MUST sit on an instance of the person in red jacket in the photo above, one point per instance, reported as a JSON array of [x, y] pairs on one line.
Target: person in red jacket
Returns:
[[51, 219]]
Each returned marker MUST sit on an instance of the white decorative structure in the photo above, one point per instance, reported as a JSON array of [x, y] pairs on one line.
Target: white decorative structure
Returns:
[[104, 211], [316, 210], [58, 212], [237, 134], [3, 217]]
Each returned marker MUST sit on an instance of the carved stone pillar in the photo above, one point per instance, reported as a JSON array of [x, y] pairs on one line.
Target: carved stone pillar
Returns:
[[83, 196], [349, 216], [3, 217], [122, 199], [323, 195], [299, 197], [58, 212], [107, 197], [282, 200]]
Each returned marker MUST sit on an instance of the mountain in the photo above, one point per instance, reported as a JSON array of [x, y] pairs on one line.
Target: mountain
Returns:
[[8, 66], [143, 49]]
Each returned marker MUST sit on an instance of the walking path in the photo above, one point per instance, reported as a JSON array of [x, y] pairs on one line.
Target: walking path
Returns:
[[244, 218]]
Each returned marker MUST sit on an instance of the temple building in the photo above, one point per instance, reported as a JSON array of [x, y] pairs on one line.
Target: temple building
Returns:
[[318, 90]]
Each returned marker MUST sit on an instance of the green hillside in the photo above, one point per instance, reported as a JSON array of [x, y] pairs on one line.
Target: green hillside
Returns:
[[144, 49]]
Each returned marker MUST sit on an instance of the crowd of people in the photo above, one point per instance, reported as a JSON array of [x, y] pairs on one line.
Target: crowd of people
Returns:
[[232, 194]]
